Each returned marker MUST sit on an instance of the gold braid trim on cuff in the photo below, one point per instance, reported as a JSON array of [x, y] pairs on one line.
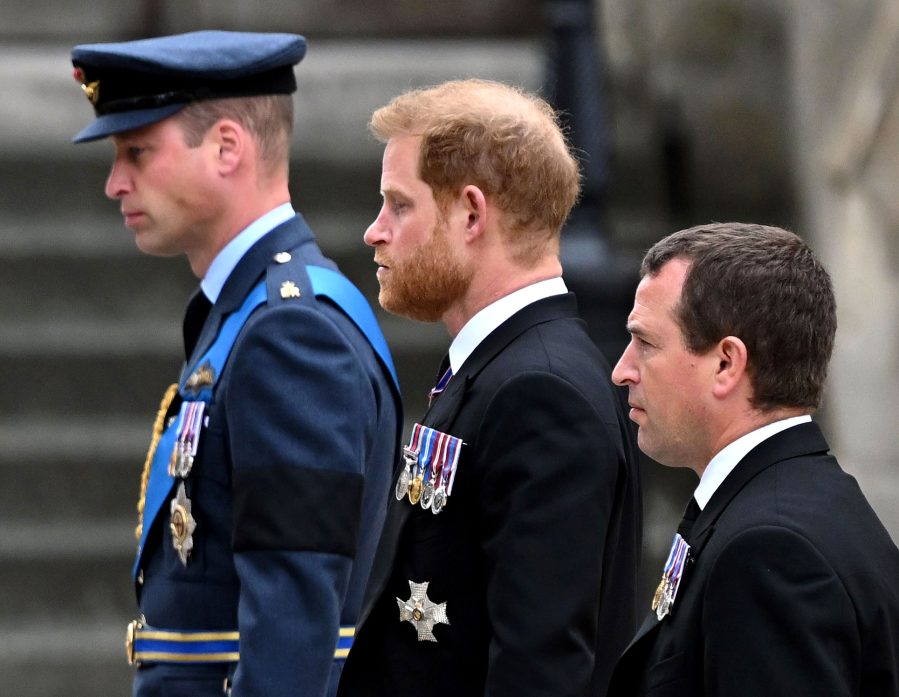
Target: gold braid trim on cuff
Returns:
[[158, 426]]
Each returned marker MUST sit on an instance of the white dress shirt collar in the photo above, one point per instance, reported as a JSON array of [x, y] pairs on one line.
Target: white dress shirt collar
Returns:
[[729, 457], [225, 261], [484, 322]]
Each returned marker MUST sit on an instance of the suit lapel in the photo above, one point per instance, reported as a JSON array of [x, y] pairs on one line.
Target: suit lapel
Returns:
[[649, 626], [632, 664], [548, 309], [796, 441]]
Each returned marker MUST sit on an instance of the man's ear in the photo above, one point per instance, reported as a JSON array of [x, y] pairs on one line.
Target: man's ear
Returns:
[[474, 207], [230, 139], [732, 366]]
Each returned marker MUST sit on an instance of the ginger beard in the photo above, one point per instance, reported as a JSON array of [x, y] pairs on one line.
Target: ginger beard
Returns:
[[427, 283]]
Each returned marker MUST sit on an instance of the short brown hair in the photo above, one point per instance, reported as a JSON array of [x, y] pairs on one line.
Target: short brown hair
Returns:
[[505, 141], [763, 285], [268, 117]]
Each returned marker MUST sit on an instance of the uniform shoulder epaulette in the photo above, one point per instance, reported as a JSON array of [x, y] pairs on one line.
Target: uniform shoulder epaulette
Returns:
[[287, 280], [290, 278]]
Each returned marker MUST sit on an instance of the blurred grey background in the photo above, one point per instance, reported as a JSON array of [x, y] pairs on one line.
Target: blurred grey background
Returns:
[[686, 111]]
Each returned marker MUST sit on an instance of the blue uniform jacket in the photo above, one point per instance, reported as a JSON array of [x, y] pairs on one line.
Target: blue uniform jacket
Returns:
[[288, 488]]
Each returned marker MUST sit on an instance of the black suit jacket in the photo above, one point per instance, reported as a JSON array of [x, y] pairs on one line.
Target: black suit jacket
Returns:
[[793, 588], [537, 549]]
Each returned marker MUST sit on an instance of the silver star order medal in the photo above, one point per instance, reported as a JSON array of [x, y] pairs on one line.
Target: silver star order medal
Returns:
[[421, 612], [182, 525]]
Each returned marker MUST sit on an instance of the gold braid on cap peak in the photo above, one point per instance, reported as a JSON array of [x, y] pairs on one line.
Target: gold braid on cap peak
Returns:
[[158, 426]]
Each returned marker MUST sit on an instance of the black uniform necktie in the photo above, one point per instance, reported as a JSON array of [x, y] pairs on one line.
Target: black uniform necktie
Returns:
[[690, 515], [194, 318]]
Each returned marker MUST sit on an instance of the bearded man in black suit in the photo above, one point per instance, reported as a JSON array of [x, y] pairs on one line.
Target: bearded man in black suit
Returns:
[[508, 561], [781, 579]]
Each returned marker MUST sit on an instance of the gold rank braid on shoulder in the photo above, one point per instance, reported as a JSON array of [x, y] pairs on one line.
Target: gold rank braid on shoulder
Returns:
[[158, 426]]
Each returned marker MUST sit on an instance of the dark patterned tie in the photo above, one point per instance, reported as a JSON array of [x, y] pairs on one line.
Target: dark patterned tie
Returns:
[[690, 515], [446, 374], [194, 318]]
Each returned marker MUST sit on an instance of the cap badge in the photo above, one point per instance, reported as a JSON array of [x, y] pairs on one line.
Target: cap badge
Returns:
[[91, 91], [420, 611], [289, 290]]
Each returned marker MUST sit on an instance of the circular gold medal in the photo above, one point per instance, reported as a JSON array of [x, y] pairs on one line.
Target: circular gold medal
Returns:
[[415, 490], [179, 525]]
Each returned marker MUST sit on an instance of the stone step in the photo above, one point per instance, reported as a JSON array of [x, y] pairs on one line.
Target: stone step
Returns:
[[132, 288], [109, 20], [60, 472], [64, 656], [92, 542], [89, 374], [340, 83], [76, 570], [80, 337]]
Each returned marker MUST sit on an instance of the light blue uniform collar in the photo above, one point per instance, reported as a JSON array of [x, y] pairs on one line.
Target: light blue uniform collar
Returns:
[[225, 261]]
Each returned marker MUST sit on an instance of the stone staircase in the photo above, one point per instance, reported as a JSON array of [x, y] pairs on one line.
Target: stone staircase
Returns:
[[89, 336]]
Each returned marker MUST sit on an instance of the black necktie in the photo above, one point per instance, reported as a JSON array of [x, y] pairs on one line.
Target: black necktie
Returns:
[[690, 515], [194, 318]]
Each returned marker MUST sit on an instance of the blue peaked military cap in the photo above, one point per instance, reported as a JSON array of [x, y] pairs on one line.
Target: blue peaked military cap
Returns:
[[137, 83]]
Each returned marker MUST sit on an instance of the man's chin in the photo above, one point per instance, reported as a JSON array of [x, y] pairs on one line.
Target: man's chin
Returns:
[[417, 311], [145, 244]]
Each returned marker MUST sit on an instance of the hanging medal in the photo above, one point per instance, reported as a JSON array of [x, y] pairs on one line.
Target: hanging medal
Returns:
[[184, 451], [446, 475], [187, 440], [663, 599], [432, 469], [410, 457], [429, 436]]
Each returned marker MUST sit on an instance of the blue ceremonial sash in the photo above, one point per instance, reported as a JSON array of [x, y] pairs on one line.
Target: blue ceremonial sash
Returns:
[[160, 482], [334, 285], [325, 282]]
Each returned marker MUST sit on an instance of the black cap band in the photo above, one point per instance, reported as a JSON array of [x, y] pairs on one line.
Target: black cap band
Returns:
[[118, 91]]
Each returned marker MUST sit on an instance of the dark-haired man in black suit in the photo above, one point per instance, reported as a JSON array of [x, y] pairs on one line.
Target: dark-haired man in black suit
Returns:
[[781, 579], [509, 556]]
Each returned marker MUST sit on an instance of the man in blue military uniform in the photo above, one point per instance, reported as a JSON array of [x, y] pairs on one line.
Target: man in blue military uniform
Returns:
[[264, 490]]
